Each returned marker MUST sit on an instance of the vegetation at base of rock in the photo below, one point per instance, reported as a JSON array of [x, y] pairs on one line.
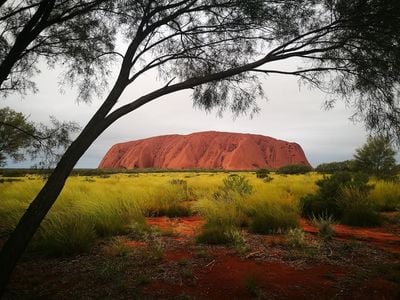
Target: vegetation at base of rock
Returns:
[[294, 169], [334, 167], [262, 173]]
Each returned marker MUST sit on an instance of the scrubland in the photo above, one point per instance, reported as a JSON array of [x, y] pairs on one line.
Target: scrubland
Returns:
[[107, 205]]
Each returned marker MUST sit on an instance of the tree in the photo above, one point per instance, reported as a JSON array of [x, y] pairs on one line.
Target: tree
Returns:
[[333, 167], [57, 31], [218, 47], [20, 137], [13, 140], [377, 157]]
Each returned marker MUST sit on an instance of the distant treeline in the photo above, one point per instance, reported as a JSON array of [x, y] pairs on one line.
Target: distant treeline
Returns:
[[10, 172], [325, 168]]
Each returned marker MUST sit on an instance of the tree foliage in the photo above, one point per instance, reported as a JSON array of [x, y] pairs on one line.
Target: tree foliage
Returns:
[[377, 157], [333, 167], [71, 33], [294, 169], [11, 139], [20, 137], [328, 199]]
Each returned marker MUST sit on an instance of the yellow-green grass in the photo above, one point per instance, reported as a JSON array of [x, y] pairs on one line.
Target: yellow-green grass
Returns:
[[93, 206], [386, 195]]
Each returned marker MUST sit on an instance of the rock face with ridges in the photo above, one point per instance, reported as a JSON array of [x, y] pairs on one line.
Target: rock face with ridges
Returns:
[[205, 150]]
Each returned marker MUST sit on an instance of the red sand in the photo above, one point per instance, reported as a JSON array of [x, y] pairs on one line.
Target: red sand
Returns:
[[205, 150], [185, 227], [374, 235], [231, 277], [225, 275]]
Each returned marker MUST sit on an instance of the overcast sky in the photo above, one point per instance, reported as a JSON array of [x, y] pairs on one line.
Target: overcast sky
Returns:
[[292, 113]]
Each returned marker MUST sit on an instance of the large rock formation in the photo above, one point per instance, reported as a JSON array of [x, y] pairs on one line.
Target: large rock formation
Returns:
[[205, 150]]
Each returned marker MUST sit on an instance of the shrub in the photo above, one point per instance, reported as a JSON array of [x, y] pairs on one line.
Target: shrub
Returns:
[[294, 169], [334, 167], [238, 184], [358, 210], [262, 173], [326, 201]]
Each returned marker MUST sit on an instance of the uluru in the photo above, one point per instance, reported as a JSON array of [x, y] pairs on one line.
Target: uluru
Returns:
[[205, 150]]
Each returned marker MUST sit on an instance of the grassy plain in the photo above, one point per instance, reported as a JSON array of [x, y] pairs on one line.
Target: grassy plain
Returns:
[[97, 206]]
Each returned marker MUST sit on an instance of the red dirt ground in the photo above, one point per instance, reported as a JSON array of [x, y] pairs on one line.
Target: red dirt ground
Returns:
[[229, 276], [359, 263], [375, 235]]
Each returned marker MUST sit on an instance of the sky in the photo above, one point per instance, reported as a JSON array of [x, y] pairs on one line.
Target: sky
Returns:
[[292, 112]]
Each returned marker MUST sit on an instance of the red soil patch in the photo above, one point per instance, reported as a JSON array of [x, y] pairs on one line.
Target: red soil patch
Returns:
[[135, 244], [217, 272], [228, 276], [185, 227], [378, 288], [374, 235], [177, 255]]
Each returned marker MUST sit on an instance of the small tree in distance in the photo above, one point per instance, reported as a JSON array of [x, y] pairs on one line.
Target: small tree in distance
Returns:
[[377, 158], [20, 138]]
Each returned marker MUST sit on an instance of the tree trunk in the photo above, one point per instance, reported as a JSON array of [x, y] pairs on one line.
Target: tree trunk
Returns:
[[30, 221]]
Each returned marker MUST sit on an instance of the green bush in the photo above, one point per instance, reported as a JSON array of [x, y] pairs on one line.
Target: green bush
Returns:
[[358, 210], [294, 169], [326, 201], [262, 173], [334, 167], [238, 184]]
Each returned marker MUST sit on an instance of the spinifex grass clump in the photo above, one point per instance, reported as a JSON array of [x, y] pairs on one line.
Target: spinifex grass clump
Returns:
[[65, 234], [386, 195], [223, 212], [268, 217], [170, 199], [324, 225], [344, 196], [295, 238]]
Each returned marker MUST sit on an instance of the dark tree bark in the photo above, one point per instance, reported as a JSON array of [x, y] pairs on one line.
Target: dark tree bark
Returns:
[[40, 206], [30, 31]]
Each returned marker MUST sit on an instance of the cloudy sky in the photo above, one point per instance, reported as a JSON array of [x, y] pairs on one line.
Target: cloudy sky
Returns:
[[293, 113]]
